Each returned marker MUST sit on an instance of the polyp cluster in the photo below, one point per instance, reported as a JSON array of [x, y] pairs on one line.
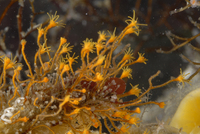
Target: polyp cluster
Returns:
[[56, 95]]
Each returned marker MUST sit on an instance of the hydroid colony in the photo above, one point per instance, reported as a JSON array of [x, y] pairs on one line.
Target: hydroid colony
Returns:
[[57, 95]]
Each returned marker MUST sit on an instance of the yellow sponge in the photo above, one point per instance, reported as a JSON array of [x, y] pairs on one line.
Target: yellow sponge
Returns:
[[187, 115]]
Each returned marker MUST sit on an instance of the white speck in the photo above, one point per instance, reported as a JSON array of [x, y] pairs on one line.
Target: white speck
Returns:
[[112, 100], [114, 97], [83, 97], [113, 82], [53, 122], [48, 124], [109, 90], [84, 22], [105, 87], [6, 29]]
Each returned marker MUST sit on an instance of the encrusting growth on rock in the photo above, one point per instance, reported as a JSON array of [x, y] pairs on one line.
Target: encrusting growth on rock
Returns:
[[56, 94]]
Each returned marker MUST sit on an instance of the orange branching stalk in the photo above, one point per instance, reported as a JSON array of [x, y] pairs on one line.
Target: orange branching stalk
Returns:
[[76, 98]]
